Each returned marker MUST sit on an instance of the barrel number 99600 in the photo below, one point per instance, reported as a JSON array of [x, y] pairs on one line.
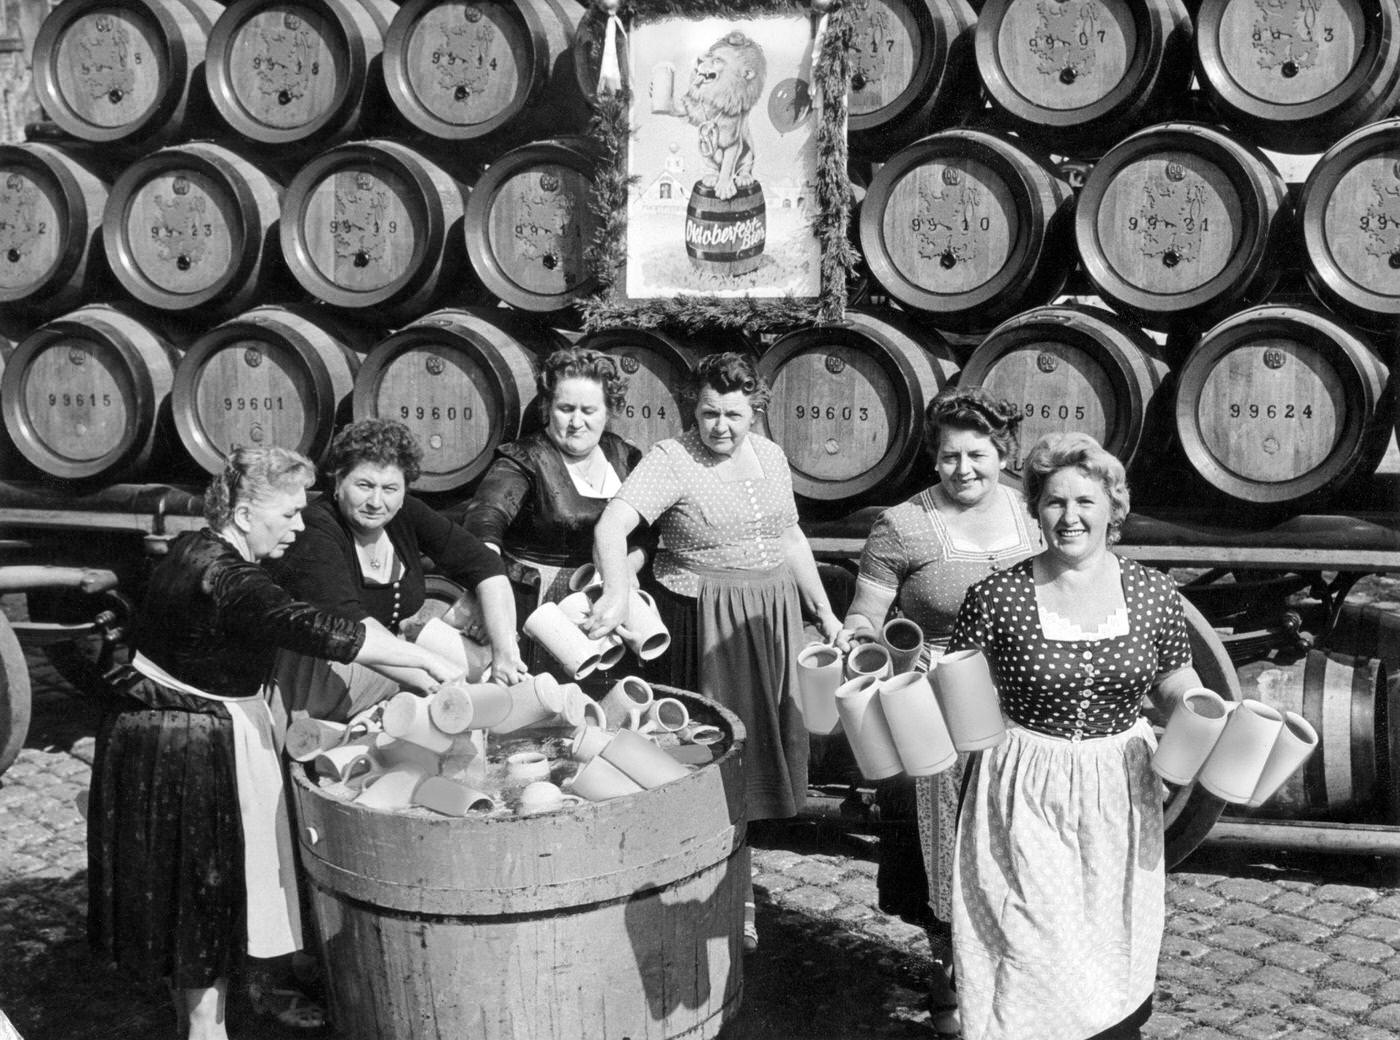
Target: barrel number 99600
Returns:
[[1270, 411], [830, 411], [451, 414]]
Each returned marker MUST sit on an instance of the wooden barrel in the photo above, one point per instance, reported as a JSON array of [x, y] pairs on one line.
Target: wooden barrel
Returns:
[[911, 71], [657, 367], [464, 70], [50, 229], [1344, 698], [273, 375], [848, 405], [374, 224], [1279, 406], [968, 228], [529, 225], [194, 226], [621, 918], [1368, 630], [1296, 76], [299, 74], [1075, 369], [1080, 74], [461, 380], [82, 395], [124, 72], [726, 236], [1349, 210], [1180, 224]]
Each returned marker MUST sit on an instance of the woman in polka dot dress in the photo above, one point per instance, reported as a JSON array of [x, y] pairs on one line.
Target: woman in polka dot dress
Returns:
[[922, 555], [733, 573], [361, 557], [1058, 886]]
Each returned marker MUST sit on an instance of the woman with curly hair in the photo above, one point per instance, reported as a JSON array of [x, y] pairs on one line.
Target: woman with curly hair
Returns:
[[190, 863], [361, 558], [733, 574], [542, 495], [920, 557]]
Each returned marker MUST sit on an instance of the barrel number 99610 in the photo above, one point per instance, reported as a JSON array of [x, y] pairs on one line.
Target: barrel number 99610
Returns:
[[451, 413], [818, 411], [1270, 411]]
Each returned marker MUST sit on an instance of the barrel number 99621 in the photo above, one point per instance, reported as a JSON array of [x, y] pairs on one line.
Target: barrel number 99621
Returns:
[[845, 413], [451, 413], [1270, 411]]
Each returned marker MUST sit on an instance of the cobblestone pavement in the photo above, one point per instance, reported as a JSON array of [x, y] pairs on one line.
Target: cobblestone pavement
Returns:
[[1257, 947]]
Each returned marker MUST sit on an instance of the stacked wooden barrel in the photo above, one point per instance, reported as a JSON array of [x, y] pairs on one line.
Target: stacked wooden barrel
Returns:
[[388, 212]]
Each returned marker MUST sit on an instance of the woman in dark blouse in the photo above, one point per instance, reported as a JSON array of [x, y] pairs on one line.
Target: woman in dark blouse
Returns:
[[540, 499], [189, 853], [362, 559]]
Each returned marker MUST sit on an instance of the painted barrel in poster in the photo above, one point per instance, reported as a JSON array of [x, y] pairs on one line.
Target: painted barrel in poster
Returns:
[[726, 236], [611, 919]]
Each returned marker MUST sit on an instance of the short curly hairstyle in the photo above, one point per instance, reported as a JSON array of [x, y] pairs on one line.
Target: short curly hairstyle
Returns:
[[971, 408], [383, 442], [579, 363], [253, 474], [1057, 451], [726, 373]]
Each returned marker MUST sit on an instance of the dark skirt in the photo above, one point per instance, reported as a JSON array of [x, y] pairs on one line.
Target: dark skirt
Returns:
[[166, 896], [737, 644]]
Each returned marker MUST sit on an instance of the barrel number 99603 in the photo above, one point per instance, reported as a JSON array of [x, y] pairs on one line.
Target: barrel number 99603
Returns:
[[451, 414], [818, 411], [1270, 411]]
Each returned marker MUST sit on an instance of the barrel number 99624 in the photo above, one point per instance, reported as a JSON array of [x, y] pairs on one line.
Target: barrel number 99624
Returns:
[[1270, 411], [451, 413], [830, 411]]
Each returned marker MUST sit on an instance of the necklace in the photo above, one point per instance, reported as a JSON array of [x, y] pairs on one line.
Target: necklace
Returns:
[[376, 555], [591, 469]]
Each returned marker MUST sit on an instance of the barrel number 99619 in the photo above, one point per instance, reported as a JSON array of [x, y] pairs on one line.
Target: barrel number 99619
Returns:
[[818, 411], [1270, 411], [451, 414]]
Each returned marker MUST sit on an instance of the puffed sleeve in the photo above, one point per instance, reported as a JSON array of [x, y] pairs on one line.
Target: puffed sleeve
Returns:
[[973, 628], [318, 569], [655, 485], [498, 498], [253, 604], [1170, 637], [458, 553], [884, 562]]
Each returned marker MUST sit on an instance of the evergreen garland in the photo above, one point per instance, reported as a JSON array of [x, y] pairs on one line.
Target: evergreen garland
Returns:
[[611, 132]]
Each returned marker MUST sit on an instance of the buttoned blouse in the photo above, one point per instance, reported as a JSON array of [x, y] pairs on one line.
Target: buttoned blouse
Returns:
[[1075, 688], [707, 522]]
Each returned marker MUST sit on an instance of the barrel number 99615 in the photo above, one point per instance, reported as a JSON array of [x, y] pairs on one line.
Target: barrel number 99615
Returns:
[[451, 413], [1270, 411], [830, 411], [80, 400]]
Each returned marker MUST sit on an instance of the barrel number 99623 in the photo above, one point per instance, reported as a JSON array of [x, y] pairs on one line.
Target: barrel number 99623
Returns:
[[451, 414], [830, 411], [1270, 411]]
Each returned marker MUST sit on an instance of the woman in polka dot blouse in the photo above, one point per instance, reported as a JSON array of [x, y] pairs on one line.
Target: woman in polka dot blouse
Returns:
[[922, 555], [361, 557], [733, 573], [1058, 888]]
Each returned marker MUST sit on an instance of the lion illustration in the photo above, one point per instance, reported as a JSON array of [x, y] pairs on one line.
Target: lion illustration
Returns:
[[725, 86]]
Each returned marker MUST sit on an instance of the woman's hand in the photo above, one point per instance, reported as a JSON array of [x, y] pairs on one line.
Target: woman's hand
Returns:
[[830, 626], [608, 614], [506, 664], [440, 668]]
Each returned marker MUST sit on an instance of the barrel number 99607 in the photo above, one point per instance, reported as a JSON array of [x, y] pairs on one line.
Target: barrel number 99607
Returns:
[[818, 411], [451, 414], [1031, 410], [1270, 411]]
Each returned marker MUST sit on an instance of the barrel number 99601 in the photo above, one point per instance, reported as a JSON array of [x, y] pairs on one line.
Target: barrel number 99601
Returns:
[[451, 413], [1031, 410], [818, 411], [1270, 411], [253, 404], [80, 400]]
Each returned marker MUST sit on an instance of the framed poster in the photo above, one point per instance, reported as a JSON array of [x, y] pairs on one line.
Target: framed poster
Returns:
[[727, 185]]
